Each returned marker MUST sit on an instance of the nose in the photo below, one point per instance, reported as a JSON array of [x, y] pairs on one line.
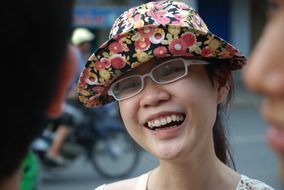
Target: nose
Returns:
[[264, 72], [153, 94]]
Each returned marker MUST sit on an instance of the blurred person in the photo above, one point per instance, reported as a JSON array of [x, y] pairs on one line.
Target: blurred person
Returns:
[[35, 37], [173, 81], [264, 74], [81, 40]]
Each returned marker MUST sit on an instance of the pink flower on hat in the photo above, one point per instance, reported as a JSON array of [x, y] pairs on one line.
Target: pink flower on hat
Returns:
[[160, 5], [179, 20], [177, 47], [117, 61], [160, 51], [142, 45], [99, 65], [115, 47], [160, 17], [137, 18], [147, 31], [189, 39], [157, 37], [163, 20], [106, 62], [92, 79]]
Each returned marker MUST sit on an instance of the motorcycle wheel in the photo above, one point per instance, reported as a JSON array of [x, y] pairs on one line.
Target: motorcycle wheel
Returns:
[[116, 155]]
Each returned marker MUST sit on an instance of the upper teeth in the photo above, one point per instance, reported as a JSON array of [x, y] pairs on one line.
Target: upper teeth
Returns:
[[164, 120]]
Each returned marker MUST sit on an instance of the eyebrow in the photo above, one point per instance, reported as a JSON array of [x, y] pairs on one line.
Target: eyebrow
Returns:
[[154, 62]]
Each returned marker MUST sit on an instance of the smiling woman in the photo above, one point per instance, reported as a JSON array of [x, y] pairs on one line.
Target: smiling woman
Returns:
[[172, 85]]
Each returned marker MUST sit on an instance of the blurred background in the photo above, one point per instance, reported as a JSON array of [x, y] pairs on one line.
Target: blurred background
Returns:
[[237, 21]]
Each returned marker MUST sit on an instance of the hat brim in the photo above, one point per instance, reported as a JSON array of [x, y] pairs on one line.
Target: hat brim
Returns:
[[129, 50]]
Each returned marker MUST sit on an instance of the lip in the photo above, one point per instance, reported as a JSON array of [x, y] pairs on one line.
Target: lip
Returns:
[[165, 133], [275, 138]]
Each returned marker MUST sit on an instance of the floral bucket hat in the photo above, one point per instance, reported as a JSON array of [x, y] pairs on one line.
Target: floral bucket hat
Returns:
[[153, 30]]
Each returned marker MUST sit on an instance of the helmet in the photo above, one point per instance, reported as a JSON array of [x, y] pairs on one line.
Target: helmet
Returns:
[[81, 35]]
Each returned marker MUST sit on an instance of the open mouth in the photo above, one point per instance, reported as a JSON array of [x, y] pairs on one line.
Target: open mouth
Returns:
[[170, 121]]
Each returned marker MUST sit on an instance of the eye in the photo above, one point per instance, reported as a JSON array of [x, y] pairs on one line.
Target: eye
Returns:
[[169, 72], [128, 85]]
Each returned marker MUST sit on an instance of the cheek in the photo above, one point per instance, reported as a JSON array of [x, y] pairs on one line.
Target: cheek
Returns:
[[202, 100], [128, 110], [123, 111]]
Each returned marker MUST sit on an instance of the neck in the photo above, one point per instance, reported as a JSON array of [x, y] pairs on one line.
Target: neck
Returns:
[[197, 172]]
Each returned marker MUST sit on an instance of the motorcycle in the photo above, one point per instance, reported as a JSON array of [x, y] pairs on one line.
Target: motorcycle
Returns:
[[98, 135]]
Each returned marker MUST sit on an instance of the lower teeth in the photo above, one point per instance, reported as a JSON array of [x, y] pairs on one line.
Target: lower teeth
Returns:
[[159, 128]]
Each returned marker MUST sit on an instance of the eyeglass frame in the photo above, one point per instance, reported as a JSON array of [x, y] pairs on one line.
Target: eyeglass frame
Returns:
[[149, 74]]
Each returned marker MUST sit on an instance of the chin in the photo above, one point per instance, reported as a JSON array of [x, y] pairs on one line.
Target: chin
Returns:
[[172, 151]]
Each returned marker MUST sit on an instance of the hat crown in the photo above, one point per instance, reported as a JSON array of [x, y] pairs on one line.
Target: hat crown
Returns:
[[166, 12]]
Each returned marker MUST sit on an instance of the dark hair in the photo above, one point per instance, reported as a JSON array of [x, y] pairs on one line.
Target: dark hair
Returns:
[[222, 74], [34, 41]]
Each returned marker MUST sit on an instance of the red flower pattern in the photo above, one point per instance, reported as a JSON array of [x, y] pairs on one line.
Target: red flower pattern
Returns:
[[142, 45], [99, 65], [160, 51], [115, 47], [177, 47], [117, 62], [189, 39], [105, 62], [147, 31]]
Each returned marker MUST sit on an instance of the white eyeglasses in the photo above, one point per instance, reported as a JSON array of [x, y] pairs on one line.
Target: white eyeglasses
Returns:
[[164, 73]]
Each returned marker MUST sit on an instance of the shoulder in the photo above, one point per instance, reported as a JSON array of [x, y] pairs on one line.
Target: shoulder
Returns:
[[252, 184], [123, 184]]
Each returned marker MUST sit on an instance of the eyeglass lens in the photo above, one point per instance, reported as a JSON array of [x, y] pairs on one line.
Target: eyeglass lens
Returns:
[[161, 74]]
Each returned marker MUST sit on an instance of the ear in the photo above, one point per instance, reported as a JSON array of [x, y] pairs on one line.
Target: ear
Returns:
[[222, 93], [66, 73]]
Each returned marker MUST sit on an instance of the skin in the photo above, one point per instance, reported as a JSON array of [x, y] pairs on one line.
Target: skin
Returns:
[[159, 100], [264, 74], [185, 152]]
